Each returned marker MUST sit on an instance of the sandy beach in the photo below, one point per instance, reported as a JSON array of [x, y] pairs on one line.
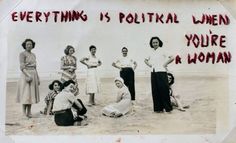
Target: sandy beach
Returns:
[[202, 93]]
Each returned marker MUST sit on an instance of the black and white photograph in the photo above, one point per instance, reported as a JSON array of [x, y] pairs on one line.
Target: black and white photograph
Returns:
[[118, 71]]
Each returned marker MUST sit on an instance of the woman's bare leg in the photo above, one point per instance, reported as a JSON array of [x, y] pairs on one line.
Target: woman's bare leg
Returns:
[[29, 114], [91, 99], [24, 109]]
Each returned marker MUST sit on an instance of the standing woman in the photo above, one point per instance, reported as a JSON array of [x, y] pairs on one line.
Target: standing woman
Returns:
[[68, 66], [127, 67], [92, 81], [28, 85], [158, 61]]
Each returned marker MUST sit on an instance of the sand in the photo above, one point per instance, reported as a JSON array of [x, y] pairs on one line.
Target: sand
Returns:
[[202, 93]]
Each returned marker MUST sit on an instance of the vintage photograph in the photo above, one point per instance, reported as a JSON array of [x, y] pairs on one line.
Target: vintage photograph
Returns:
[[118, 67]]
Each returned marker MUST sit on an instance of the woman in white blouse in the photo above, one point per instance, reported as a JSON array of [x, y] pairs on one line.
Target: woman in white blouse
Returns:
[[126, 65], [92, 80], [158, 61], [67, 108]]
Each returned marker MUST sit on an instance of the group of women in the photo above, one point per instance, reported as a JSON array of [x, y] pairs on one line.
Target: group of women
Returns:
[[62, 100]]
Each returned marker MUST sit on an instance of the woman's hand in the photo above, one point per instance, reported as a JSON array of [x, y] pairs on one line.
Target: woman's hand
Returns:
[[28, 78], [72, 68], [146, 61], [88, 66], [99, 63]]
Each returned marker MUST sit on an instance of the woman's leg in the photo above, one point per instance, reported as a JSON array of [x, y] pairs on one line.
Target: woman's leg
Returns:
[[24, 109], [131, 83], [157, 104], [164, 91], [127, 74], [91, 99], [64, 119], [29, 114], [179, 104], [49, 109], [45, 108]]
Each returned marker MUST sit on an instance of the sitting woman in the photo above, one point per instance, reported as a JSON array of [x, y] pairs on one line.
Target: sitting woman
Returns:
[[67, 108], [55, 88], [123, 102], [175, 98]]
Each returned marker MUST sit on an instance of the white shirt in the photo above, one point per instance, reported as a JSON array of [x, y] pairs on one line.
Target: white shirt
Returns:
[[125, 62], [92, 61], [158, 58], [64, 100]]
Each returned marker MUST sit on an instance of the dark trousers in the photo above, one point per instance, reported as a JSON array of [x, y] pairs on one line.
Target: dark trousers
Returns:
[[160, 92], [128, 76], [66, 118]]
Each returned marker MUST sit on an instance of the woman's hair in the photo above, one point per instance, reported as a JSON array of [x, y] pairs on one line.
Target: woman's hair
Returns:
[[52, 84], [26, 40], [91, 47], [68, 47], [160, 42], [66, 83], [124, 48], [172, 78]]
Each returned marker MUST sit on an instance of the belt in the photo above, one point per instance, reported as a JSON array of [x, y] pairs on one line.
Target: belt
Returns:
[[30, 68], [93, 67], [126, 68], [61, 111]]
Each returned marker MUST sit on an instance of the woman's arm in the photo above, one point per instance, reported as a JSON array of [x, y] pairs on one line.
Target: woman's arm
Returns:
[[78, 105], [146, 61], [30, 64], [63, 65], [83, 61], [38, 77], [170, 60], [37, 71], [114, 64], [23, 66], [74, 67], [135, 65], [118, 98], [99, 62]]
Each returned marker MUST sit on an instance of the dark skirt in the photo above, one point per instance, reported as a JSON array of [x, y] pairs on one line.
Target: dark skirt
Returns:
[[127, 74], [66, 118], [160, 92]]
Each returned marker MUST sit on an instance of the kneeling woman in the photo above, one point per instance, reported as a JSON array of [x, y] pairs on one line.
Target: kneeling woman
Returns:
[[123, 102], [67, 108]]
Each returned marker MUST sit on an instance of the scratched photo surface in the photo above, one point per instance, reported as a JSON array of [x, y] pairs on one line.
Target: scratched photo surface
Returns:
[[199, 36]]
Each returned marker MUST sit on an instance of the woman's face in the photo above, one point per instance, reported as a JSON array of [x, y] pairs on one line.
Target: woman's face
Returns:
[[71, 51], [28, 45], [169, 78], [93, 51], [124, 52], [155, 43], [119, 84], [56, 86], [70, 87]]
